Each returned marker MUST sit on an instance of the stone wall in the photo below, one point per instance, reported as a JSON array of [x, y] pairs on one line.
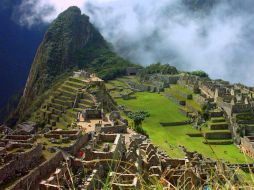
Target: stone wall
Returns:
[[107, 137], [19, 138], [230, 109], [92, 180], [167, 124], [32, 180], [20, 163], [115, 152], [114, 129], [217, 135], [57, 134], [199, 99], [77, 145]]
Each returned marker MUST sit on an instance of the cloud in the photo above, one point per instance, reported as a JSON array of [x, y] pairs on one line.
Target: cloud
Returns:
[[215, 36], [33, 12]]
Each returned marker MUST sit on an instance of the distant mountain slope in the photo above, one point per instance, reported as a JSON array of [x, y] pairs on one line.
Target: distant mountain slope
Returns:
[[71, 42]]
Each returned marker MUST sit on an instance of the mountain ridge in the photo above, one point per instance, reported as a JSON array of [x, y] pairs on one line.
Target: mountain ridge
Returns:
[[70, 42]]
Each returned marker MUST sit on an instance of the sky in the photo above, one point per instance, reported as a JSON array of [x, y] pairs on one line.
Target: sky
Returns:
[[217, 38]]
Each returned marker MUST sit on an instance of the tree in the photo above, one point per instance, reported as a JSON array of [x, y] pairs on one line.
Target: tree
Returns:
[[138, 117], [200, 73], [159, 68]]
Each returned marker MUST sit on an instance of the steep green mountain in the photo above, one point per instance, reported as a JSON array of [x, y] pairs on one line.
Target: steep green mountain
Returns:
[[71, 42]]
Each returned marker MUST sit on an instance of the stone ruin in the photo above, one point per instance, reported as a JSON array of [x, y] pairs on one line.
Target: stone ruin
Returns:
[[64, 159], [89, 114], [82, 73], [26, 128]]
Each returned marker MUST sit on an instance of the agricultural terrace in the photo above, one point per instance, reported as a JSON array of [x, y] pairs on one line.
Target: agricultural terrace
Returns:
[[162, 109]]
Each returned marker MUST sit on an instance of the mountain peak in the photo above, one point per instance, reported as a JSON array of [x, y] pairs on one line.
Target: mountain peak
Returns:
[[66, 35]]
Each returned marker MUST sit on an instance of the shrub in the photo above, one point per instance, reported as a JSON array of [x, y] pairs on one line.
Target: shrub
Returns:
[[200, 73]]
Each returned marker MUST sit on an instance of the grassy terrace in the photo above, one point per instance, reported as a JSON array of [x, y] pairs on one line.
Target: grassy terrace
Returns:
[[175, 90], [161, 109]]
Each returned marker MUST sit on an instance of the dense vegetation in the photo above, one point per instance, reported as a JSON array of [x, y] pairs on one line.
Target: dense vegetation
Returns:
[[102, 61], [159, 68], [138, 117], [200, 73]]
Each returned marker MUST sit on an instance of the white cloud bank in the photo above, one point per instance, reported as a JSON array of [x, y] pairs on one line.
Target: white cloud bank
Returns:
[[219, 40]]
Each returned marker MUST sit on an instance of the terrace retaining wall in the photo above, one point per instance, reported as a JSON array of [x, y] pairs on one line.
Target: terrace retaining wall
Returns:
[[168, 124], [20, 163], [31, 181]]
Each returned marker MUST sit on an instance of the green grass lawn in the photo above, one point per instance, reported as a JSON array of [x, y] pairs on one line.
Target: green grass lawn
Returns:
[[161, 109], [175, 90]]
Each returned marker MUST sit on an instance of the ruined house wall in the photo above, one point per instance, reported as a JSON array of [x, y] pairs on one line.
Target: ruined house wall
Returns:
[[108, 137], [116, 150], [230, 109], [239, 108], [66, 132], [226, 107], [34, 177], [114, 129], [207, 91], [18, 137], [20, 145], [118, 147], [77, 145]]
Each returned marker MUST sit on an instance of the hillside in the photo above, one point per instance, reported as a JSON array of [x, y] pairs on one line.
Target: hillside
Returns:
[[70, 42], [89, 119]]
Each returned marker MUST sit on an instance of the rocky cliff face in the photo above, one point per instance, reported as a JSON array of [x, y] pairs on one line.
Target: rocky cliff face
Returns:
[[70, 32]]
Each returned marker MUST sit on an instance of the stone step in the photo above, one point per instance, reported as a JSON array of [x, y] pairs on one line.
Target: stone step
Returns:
[[83, 106], [78, 109], [52, 123], [54, 117], [72, 114], [69, 88], [72, 95], [74, 84], [218, 142], [65, 98], [216, 113], [58, 106], [250, 134], [77, 80], [86, 102], [56, 93], [218, 126], [87, 97], [56, 111], [68, 119], [218, 119], [67, 103], [223, 134]]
